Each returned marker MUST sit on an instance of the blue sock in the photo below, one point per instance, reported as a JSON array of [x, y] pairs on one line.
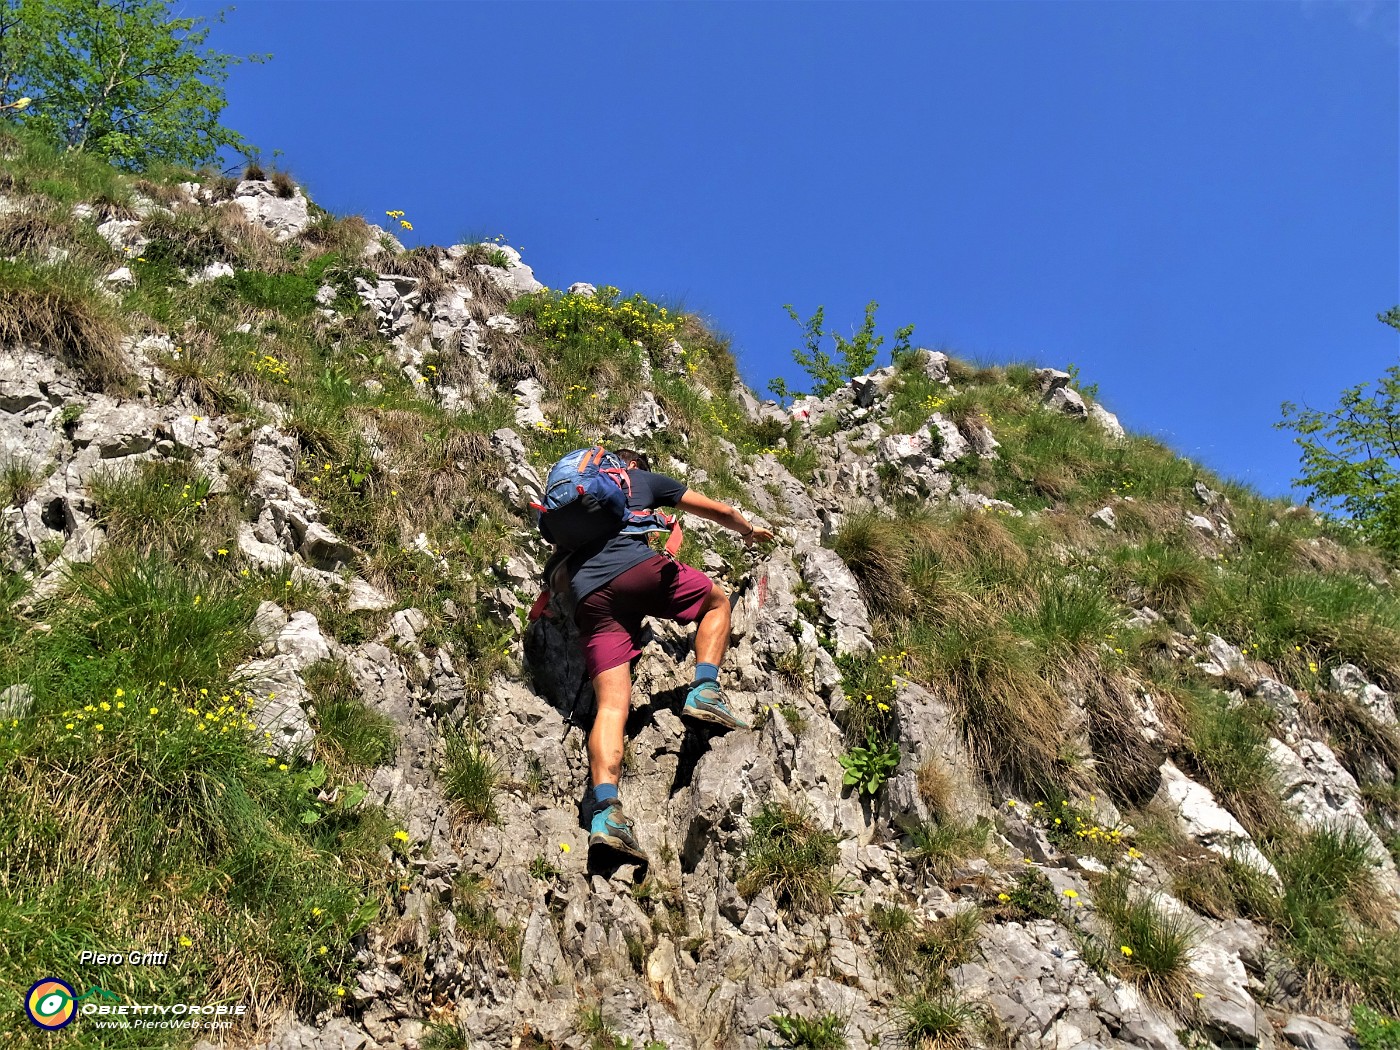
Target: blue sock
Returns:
[[603, 792], [706, 672]]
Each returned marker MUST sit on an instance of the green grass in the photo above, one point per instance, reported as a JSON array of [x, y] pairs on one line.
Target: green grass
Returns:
[[1170, 577], [456, 1035], [38, 166], [351, 737], [1334, 922], [470, 775], [788, 853], [1149, 946], [141, 623], [1066, 620], [19, 479], [137, 810], [163, 507], [1301, 617], [938, 846], [479, 927], [1374, 1032], [940, 1021], [1229, 748]]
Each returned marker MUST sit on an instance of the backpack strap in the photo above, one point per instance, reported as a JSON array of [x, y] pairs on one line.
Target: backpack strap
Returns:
[[541, 606], [674, 541]]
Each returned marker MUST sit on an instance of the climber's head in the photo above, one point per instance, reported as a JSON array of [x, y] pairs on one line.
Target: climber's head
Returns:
[[633, 458]]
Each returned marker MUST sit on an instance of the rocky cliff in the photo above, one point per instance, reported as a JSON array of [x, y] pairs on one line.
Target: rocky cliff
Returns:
[[1059, 741]]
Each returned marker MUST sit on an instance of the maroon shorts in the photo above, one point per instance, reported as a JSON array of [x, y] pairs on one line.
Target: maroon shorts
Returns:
[[610, 619]]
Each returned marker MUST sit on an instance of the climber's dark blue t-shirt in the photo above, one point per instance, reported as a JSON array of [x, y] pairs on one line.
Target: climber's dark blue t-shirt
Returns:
[[601, 561]]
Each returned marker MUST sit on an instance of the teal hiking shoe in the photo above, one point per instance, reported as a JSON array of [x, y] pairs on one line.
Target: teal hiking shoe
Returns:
[[705, 703], [611, 828]]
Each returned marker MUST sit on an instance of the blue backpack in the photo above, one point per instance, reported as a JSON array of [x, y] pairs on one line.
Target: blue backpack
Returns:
[[585, 500]]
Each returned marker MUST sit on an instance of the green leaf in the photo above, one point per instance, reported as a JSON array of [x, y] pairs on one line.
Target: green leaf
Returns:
[[354, 796]]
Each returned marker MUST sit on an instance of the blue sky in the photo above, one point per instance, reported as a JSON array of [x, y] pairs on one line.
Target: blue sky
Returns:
[[1196, 203]]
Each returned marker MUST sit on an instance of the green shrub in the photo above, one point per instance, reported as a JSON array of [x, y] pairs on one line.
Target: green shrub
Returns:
[[856, 355], [1032, 897], [827, 1032]]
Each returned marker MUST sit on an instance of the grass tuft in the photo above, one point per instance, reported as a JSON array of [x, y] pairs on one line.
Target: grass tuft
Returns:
[[57, 309], [351, 737], [794, 857], [470, 775], [938, 846]]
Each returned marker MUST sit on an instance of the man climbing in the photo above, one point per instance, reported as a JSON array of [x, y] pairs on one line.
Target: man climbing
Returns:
[[616, 583]]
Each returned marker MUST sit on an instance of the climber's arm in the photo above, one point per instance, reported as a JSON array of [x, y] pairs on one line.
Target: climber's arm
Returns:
[[723, 514]]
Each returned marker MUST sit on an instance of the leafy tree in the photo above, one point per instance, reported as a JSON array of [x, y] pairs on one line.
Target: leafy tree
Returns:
[[855, 355], [1351, 453], [125, 79]]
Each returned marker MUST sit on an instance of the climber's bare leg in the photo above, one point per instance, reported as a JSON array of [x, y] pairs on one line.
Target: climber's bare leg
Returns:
[[612, 695]]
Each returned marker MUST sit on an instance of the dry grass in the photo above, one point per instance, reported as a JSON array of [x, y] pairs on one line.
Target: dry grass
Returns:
[[58, 310], [1124, 762], [423, 265], [936, 786], [168, 194], [284, 184], [1015, 723], [191, 237], [346, 237], [877, 549], [32, 228]]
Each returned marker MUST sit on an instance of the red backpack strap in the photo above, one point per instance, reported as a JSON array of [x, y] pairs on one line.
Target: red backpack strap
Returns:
[[674, 541], [541, 606]]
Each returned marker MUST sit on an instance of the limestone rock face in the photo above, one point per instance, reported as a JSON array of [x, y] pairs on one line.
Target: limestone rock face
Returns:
[[1204, 821], [264, 205], [506, 928]]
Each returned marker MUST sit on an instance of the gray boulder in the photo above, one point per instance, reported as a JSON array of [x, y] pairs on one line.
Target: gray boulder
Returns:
[[1348, 680], [1206, 822], [264, 206]]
